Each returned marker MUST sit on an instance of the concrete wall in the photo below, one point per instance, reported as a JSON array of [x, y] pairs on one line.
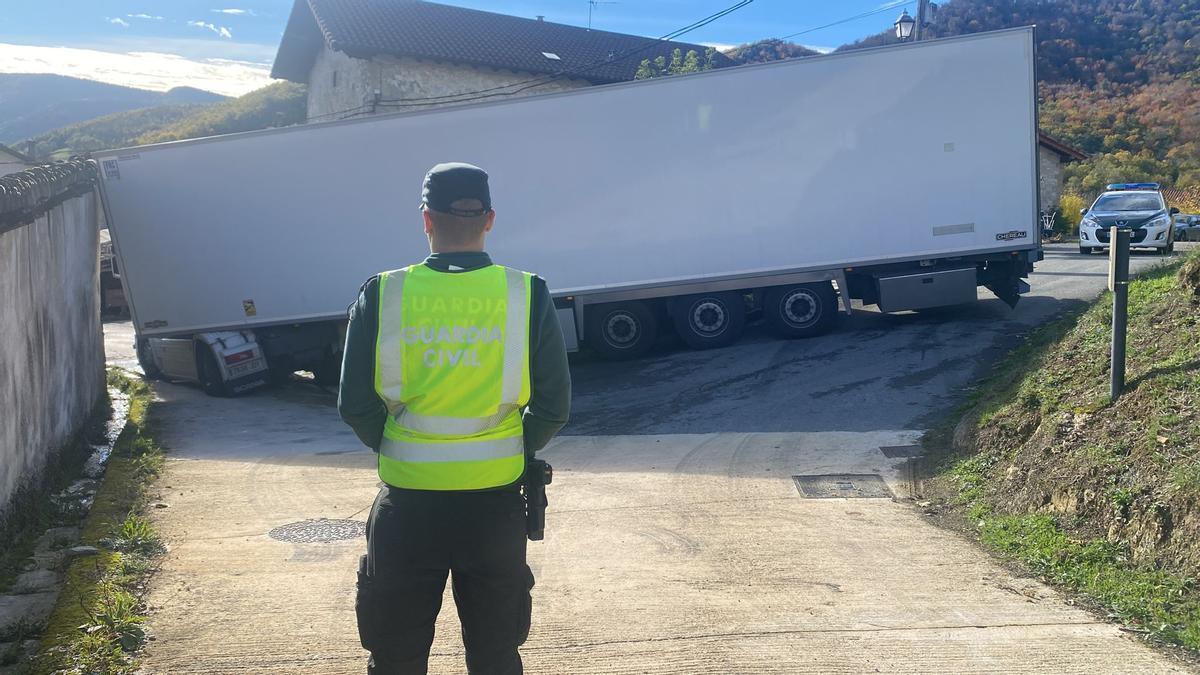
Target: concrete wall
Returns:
[[1050, 168], [51, 349], [340, 85]]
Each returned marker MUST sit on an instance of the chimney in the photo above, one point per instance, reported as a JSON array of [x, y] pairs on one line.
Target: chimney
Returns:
[[541, 17]]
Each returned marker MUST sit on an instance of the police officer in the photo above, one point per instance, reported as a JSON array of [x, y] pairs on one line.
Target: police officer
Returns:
[[454, 373]]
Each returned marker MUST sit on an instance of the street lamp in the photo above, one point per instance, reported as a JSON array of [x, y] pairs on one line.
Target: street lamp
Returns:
[[904, 25]]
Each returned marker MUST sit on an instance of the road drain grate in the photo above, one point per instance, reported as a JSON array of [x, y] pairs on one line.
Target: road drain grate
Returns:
[[901, 451], [842, 485], [319, 531]]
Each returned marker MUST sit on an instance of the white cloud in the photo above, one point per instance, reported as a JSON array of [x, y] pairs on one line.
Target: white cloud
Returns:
[[219, 30], [719, 46], [819, 49], [146, 70], [144, 16], [117, 21], [236, 12]]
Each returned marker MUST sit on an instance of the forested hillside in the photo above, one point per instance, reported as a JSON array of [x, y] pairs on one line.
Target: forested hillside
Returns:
[[275, 105], [768, 50], [278, 104], [1118, 79], [33, 104], [117, 130]]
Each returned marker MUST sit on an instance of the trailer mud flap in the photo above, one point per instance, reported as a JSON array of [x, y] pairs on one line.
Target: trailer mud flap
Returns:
[[1009, 290]]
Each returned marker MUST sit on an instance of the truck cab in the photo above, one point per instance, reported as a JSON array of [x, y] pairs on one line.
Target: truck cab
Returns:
[[1137, 206]]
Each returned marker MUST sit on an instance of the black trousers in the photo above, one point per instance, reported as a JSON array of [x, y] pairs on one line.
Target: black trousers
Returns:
[[414, 540]]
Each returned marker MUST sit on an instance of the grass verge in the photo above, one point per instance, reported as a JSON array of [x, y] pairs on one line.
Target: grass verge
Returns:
[[1099, 497], [97, 624]]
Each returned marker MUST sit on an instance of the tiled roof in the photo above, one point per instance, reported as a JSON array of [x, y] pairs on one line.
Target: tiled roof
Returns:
[[427, 30], [1067, 152], [20, 156], [1184, 198]]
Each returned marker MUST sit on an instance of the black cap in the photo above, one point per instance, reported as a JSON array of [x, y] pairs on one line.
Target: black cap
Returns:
[[458, 189]]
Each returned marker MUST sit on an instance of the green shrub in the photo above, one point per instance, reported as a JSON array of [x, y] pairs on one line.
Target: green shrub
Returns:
[[1068, 211]]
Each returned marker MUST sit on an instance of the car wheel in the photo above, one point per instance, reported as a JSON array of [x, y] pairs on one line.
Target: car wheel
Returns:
[[146, 361], [1085, 250], [210, 373]]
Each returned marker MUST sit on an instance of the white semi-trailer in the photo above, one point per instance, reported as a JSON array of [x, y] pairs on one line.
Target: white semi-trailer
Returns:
[[904, 177]]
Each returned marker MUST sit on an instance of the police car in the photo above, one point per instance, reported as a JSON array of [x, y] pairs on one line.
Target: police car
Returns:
[[1138, 206]]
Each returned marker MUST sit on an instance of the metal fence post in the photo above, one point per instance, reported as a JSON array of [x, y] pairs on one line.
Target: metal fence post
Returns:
[[1118, 283]]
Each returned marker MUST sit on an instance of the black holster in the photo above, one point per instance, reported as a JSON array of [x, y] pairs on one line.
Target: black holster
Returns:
[[538, 474]]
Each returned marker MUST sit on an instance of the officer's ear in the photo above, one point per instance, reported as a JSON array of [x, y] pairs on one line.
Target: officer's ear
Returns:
[[428, 221], [491, 220]]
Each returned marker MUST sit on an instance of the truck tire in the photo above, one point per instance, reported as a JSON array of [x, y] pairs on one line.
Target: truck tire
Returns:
[[709, 320], [621, 330], [210, 373], [328, 372], [804, 310], [146, 361]]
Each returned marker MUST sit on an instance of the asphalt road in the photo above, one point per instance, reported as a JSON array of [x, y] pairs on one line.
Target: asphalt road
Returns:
[[874, 372]]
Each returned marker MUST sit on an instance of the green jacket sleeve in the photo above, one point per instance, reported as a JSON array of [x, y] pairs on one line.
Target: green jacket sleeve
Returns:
[[549, 376], [358, 404]]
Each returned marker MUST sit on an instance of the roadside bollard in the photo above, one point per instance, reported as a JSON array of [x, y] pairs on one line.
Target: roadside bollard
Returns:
[[1118, 283]]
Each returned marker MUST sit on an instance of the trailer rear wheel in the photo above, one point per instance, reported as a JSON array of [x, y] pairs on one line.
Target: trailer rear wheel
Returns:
[[622, 330], [804, 310], [709, 320], [210, 372]]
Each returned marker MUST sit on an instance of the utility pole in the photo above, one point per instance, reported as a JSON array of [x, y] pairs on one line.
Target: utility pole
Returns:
[[925, 11], [1118, 283]]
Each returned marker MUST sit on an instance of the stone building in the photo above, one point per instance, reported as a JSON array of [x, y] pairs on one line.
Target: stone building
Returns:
[[1053, 155], [361, 57]]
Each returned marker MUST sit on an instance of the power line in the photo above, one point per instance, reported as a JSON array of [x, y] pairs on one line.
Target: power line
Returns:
[[468, 96], [463, 97], [877, 10], [514, 88]]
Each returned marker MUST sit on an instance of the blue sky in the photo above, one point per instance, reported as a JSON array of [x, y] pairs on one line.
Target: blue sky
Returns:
[[228, 47]]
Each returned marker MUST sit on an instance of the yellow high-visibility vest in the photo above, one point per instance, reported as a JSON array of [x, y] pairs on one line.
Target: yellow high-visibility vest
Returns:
[[452, 365]]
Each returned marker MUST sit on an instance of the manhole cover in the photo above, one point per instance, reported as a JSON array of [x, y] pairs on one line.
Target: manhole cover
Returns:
[[899, 451], [319, 531], [842, 485]]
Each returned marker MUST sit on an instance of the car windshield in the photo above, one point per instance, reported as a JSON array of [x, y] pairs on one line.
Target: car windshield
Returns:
[[1128, 202]]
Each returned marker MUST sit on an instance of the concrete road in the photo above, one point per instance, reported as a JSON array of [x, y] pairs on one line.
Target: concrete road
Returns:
[[678, 541]]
